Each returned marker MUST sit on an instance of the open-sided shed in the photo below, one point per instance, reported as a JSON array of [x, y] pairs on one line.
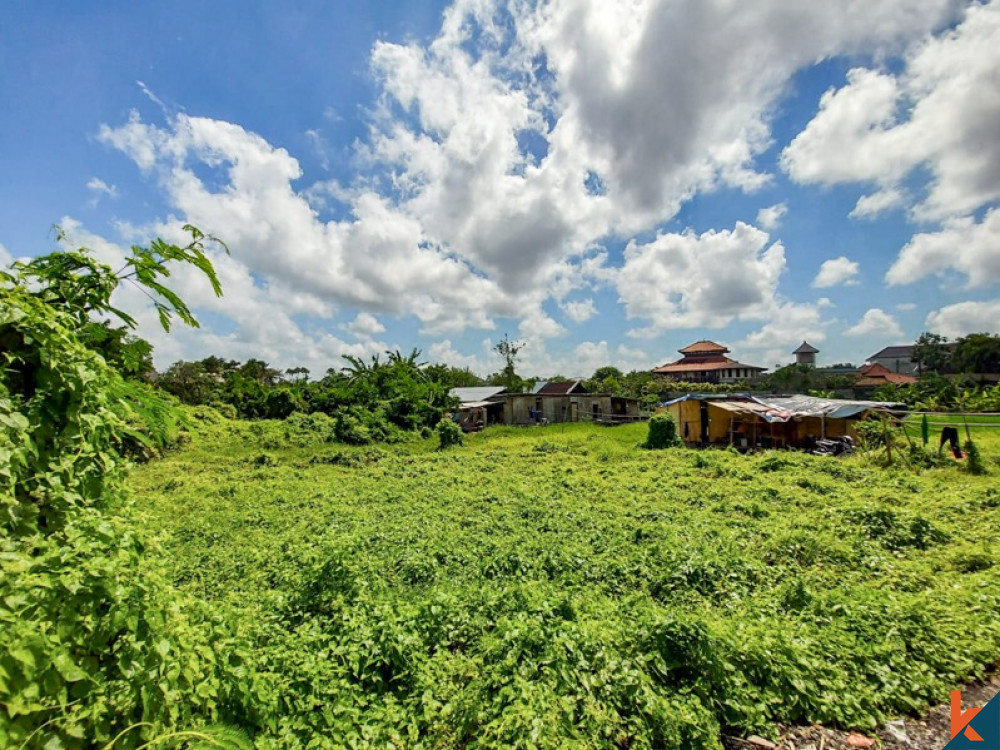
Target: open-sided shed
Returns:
[[785, 421]]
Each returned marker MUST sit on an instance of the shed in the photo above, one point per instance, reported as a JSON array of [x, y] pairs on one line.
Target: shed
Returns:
[[772, 421]]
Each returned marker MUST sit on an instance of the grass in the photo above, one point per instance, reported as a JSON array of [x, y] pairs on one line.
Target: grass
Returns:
[[561, 587]]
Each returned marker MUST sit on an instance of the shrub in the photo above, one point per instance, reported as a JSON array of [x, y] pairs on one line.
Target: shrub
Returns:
[[93, 638], [662, 432], [449, 434], [973, 460]]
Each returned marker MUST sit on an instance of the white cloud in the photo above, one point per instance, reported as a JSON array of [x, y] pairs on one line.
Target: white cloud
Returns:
[[579, 311], [5, 257], [689, 280], [456, 221], [876, 322], [100, 187], [961, 245], [769, 218], [587, 356], [963, 318], [320, 146], [870, 206], [365, 325], [941, 111], [836, 271], [790, 325], [536, 326], [445, 352]]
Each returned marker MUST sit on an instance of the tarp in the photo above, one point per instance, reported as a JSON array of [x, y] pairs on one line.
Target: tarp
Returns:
[[479, 404], [835, 408], [784, 408], [751, 407], [476, 393]]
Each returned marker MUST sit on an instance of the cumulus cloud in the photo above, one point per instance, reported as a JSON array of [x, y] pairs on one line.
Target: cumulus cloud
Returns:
[[580, 311], [769, 218], [709, 279], [870, 206], [365, 325], [875, 322], [503, 153], [963, 318], [836, 271], [481, 364], [587, 356], [940, 111], [5, 257], [963, 245], [792, 324]]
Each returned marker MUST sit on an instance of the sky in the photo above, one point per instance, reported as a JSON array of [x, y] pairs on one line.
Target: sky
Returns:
[[604, 180]]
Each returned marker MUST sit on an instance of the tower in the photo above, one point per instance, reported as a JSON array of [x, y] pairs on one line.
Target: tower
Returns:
[[806, 354]]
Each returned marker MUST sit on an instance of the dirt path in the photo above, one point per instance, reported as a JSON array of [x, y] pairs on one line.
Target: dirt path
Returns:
[[929, 732]]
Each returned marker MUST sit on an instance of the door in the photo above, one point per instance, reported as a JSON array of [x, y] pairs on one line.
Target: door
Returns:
[[704, 422]]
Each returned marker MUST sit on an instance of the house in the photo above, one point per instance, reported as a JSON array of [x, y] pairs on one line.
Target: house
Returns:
[[574, 406], [706, 362], [806, 354], [769, 422], [560, 389], [550, 403], [896, 359], [874, 375], [479, 406]]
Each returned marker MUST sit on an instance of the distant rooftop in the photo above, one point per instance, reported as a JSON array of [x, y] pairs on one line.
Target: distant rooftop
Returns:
[[806, 348], [561, 389], [478, 393], [703, 347], [894, 352]]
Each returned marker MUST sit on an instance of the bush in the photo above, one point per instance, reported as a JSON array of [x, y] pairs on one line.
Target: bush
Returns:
[[662, 432], [93, 638], [973, 460], [449, 434]]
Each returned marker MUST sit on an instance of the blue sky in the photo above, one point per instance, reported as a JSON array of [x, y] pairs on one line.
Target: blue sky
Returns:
[[606, 180]]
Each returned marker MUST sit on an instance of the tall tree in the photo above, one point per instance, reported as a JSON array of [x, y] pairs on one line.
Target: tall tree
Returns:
[[931, 353], [977, 353], [509, 349]]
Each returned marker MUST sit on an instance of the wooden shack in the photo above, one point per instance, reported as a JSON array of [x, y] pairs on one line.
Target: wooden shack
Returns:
[[769, 422]]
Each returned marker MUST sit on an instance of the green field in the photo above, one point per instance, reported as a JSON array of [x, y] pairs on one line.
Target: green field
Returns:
[[561, 587]]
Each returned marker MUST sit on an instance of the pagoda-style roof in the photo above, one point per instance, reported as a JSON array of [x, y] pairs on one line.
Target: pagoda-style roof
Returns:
[[806, 348], [704, 347], [702, 365]]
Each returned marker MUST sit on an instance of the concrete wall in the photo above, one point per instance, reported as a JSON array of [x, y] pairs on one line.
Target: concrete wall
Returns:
[[582, 407]]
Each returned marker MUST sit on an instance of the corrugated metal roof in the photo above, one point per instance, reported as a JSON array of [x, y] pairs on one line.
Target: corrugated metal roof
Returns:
[[561, 389], [783, 408], [478, 393]]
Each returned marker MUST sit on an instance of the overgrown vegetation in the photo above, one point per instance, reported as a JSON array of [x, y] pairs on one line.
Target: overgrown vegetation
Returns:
[[560, 588], [96, 646], [528, 588], [662, 432]]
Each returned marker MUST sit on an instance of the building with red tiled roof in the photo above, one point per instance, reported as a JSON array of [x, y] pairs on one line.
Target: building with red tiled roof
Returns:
[[706, 362], [872, 376]]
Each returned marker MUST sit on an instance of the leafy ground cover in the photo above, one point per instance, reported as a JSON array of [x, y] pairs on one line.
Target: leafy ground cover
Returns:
[[563, 587]]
